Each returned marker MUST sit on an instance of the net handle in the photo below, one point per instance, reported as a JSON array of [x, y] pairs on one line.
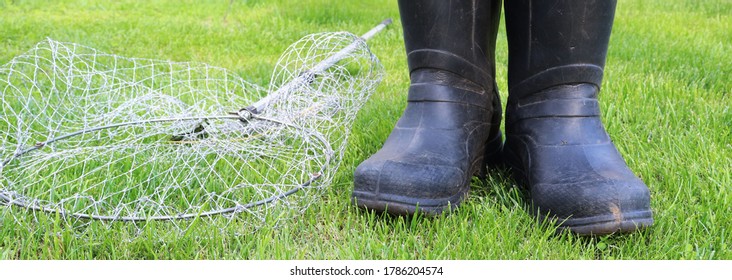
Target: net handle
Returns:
[[305, 77]]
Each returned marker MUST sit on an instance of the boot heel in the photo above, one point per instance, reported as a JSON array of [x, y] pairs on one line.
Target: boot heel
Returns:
[[491, 157]]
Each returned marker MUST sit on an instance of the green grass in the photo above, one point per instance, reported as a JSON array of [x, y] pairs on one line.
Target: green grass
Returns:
[[666, 104]]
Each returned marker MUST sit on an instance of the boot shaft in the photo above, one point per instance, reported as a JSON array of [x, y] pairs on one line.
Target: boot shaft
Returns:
[[454, 36], [556, 42]]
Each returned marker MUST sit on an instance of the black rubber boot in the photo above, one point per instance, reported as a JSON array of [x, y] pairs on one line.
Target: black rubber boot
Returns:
[[555, 142], [450, 128]]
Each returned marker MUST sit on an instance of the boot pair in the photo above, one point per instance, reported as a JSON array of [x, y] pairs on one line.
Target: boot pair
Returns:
[[556, 145]]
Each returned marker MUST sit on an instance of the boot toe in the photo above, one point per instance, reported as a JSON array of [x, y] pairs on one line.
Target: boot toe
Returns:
[[399, 187], [595, 207]]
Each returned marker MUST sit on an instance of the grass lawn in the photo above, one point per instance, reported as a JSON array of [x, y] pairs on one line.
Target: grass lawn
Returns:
[[665, 101]]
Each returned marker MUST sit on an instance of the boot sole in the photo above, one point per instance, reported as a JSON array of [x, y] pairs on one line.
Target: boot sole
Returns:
[[400, 206], [625, 222]]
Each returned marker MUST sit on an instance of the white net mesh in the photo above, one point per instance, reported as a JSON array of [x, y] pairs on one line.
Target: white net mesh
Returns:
[[90, 136]]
